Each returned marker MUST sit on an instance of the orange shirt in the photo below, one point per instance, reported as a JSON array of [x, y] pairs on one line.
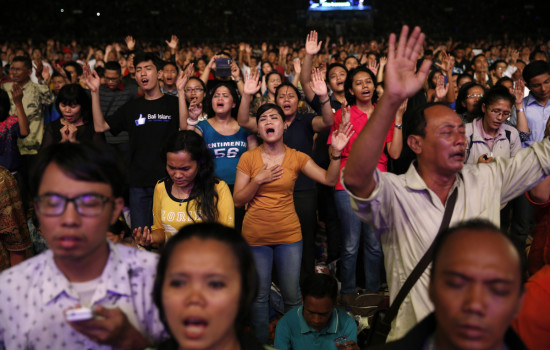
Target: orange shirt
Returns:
[[271, 217]]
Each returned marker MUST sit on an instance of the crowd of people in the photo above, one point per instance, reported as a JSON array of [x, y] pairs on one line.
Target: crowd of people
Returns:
[[221, 165]]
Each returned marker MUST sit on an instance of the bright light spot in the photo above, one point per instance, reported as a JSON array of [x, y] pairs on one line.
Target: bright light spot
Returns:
[[62, 10], [98, 14]]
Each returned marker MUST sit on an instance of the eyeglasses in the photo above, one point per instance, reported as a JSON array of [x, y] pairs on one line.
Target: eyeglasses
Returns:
[[500, 113], [87, 204], [475, 96], [197, 89], [112, 79]]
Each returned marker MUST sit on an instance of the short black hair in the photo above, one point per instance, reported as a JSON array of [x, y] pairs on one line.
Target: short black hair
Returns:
[[477, 225], [166, 63], [334, 65], [113, 65], [147, 56], [498, 92], [85, 161], [77, 67], [235, 241], [267, 106], [416, 121], [75, 94], [25, 59], [320, 285], [535, 68]]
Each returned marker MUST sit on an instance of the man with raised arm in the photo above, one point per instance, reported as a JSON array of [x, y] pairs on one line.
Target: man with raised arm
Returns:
[[149, 120], [406, 210]]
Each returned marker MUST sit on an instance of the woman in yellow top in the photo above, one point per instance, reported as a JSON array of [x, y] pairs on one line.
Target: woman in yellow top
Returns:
[[191, 193], [265, 181]]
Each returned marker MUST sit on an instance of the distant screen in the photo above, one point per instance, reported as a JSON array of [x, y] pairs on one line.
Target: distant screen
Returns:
[[351, 5]]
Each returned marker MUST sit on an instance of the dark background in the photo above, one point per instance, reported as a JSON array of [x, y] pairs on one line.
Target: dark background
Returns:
[[256, 21]]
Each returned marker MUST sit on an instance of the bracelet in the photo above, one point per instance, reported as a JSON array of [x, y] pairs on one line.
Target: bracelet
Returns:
[[142, 247], [335, 157], [519, 110], [398, 126], [324, 102], [192, 122]]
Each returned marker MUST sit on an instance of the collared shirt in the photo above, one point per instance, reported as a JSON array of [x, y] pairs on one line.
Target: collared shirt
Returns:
[[35, 97], [537, 116], [479, 142], [406, 215], [35, 294], [293, 332]]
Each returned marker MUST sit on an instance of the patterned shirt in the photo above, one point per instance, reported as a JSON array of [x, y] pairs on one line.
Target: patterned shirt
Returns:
[[35, 97], [14, 233], [35, 294]]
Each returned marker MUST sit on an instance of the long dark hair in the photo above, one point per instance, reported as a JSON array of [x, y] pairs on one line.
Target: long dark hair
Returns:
[[231, 86], [348, 84], [204, 185], [246, 265]]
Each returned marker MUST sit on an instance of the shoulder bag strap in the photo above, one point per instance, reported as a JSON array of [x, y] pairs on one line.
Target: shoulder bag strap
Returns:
[[422, 264]]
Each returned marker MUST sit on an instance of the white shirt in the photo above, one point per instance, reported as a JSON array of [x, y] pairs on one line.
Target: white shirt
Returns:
[[406, 215], [35, 293]]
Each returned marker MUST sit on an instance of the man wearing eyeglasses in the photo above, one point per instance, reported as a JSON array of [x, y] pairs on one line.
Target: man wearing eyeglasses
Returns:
[[78, 195]]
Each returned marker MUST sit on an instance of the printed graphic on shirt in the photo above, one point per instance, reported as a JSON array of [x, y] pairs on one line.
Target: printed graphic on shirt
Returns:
[[153, 118], [226, 149]]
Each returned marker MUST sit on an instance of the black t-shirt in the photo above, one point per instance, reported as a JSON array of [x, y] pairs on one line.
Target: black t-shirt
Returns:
[[149, 124], [299, 135], [320, 150]]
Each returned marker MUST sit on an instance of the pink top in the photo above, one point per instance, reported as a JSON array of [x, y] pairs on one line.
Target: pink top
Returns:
[[358, 119]]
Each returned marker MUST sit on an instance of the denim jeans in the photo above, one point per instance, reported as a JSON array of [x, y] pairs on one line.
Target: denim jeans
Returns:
[[141, 206], [287, 258], [352, 231]]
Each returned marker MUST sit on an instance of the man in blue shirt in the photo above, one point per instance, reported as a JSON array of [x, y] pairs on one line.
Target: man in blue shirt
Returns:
[[537, 105], [317, 323]]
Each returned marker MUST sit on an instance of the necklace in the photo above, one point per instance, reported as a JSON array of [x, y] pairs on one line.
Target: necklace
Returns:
[[177, 197]]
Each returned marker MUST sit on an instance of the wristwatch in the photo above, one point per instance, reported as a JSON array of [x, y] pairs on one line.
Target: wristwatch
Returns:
[[399, 126]]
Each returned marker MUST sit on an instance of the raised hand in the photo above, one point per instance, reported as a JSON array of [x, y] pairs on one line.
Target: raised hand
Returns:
[[195, 109], [235, 71], [341, 136], [401, 112], [312, 46], [266, 175], [91, 79], [401, 78], [46, 73], [317, 83], [143, 236], [346, 113], [130, 42], [252, 82], [383, 61], [297, 66], [440, 88], [519, 90], [173, 43], [183, 78], [373, 66]]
